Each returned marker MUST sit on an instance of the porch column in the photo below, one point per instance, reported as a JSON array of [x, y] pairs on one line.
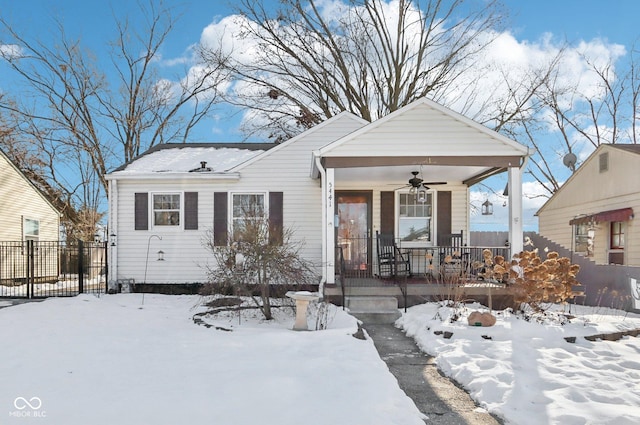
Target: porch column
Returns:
[[329, 234], [515, 210]]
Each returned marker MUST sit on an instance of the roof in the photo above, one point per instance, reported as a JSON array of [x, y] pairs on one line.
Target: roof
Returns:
[[207, 158], [626, 147], [622, 214]]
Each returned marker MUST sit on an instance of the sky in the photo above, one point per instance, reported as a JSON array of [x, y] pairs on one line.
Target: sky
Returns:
[[530, 23], [125, 359]]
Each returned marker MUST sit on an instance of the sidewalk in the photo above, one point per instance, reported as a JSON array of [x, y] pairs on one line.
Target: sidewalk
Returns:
[[435, 395]]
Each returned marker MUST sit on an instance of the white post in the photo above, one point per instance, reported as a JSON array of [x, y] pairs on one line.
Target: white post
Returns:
[[516, 234], [329, 242]]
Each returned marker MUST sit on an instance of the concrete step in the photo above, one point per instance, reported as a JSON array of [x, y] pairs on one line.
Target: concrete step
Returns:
[[374, 310]]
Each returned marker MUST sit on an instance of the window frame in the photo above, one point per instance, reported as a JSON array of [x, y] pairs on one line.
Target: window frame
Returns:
[[230, 213], [25, 236], [619, 233], [431, 196], [180, 210]]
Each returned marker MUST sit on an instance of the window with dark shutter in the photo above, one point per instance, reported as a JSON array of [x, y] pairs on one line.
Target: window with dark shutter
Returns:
[[191, 211], [220, 211], [141, 210], [276, 219]]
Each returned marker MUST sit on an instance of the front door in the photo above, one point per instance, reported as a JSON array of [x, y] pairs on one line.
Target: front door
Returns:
[[353, 210]]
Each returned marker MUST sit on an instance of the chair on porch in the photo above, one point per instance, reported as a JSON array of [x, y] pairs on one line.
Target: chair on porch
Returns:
[[454, 259], [391, 261]]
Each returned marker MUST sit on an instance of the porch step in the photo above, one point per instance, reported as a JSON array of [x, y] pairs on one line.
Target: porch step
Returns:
[[374, 309]]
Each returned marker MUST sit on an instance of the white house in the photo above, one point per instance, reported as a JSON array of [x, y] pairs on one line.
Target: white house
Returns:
[[342, 180]]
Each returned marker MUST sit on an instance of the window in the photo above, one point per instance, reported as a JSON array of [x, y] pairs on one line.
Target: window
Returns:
[[166, 209], [617, 235], [31, 229], [246, 207], [415, 217], [584, 239]]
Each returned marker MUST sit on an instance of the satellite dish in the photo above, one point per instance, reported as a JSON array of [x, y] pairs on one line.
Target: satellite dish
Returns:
[[570, 160]]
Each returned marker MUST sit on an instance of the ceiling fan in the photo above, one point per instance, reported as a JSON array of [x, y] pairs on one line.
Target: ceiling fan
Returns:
[[416, 182]]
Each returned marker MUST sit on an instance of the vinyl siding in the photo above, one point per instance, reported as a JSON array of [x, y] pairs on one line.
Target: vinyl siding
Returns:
[[25, 202], [589, 191], [287, 170], [425, 131]]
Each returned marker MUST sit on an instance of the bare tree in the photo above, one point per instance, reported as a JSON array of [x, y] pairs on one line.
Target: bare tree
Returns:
[[80, 121], [369, 58], [261, 259]]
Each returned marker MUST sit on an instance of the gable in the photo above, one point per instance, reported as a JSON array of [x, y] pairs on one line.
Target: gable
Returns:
[[424, 128], [589, 184]]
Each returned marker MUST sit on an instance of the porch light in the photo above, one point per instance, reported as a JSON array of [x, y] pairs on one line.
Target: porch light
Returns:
[[487, 208], [422, 196], [112, 238], [161, 255]]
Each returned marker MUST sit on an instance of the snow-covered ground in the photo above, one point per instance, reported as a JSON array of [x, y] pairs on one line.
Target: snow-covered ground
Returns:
[[113, 360], [528, 374], [121, 359]]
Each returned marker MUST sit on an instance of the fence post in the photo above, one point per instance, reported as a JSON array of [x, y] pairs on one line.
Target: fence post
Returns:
[[106, 266], [30, 268], [80, 266]]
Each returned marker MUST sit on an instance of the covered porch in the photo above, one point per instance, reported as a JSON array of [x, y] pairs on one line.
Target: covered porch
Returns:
[[407, 177]]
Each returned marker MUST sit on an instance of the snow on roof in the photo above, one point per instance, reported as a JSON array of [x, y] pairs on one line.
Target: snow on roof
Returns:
[[185, 158]]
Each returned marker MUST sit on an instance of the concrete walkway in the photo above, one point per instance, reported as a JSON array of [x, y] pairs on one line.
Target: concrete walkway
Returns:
[[435, 395]]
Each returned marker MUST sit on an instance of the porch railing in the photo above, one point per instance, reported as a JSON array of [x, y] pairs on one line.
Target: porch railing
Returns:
[[359, 259]]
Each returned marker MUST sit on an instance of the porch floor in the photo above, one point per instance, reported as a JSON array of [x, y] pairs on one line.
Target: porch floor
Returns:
[[421, 290]]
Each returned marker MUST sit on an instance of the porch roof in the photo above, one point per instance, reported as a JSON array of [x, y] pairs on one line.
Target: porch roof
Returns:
[[425, 137]]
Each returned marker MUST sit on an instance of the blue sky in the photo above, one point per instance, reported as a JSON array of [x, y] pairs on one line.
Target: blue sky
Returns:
[[92, 21], [528, 21]]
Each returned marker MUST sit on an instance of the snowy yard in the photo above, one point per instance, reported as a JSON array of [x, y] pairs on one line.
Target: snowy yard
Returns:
[[113, 359]]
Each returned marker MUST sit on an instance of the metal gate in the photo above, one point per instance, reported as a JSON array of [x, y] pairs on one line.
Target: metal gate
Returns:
[[40, 269]]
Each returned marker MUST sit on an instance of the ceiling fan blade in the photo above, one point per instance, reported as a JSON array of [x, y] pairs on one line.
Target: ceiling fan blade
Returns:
[[432, 183]]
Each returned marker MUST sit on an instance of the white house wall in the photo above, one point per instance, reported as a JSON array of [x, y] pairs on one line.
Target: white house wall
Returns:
[[22, 200], [284, 169], [424, 131]]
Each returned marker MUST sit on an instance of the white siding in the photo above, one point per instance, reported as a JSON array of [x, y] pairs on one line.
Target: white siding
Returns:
[[21, 200], [424, 131], [287, 169]]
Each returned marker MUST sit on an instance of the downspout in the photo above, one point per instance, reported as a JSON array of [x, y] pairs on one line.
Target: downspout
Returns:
[[113, 229], [323, 179]]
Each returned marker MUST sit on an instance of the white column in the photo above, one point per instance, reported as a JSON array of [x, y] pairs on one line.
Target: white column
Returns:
[[515, 210], [329, 242]]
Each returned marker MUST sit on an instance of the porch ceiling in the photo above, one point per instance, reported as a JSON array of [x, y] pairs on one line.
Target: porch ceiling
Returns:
[[399, 175]]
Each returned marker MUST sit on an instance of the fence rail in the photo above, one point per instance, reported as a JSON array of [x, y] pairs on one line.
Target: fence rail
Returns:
[[39, 269]]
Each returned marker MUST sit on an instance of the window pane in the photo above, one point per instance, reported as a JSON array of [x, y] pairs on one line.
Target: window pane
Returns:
[[414, 221], [167, 218], [31, 227], [248, 205], [166, 209]]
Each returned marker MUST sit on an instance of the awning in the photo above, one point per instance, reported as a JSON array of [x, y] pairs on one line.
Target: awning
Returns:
[[623, 214]]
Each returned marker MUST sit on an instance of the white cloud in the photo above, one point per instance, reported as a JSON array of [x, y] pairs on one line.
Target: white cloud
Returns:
[[10, 51]]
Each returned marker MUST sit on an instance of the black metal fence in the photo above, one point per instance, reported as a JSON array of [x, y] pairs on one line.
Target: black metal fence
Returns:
[[39, 269]]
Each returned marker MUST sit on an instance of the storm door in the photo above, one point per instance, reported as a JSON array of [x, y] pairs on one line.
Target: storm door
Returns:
[[353, 235]]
